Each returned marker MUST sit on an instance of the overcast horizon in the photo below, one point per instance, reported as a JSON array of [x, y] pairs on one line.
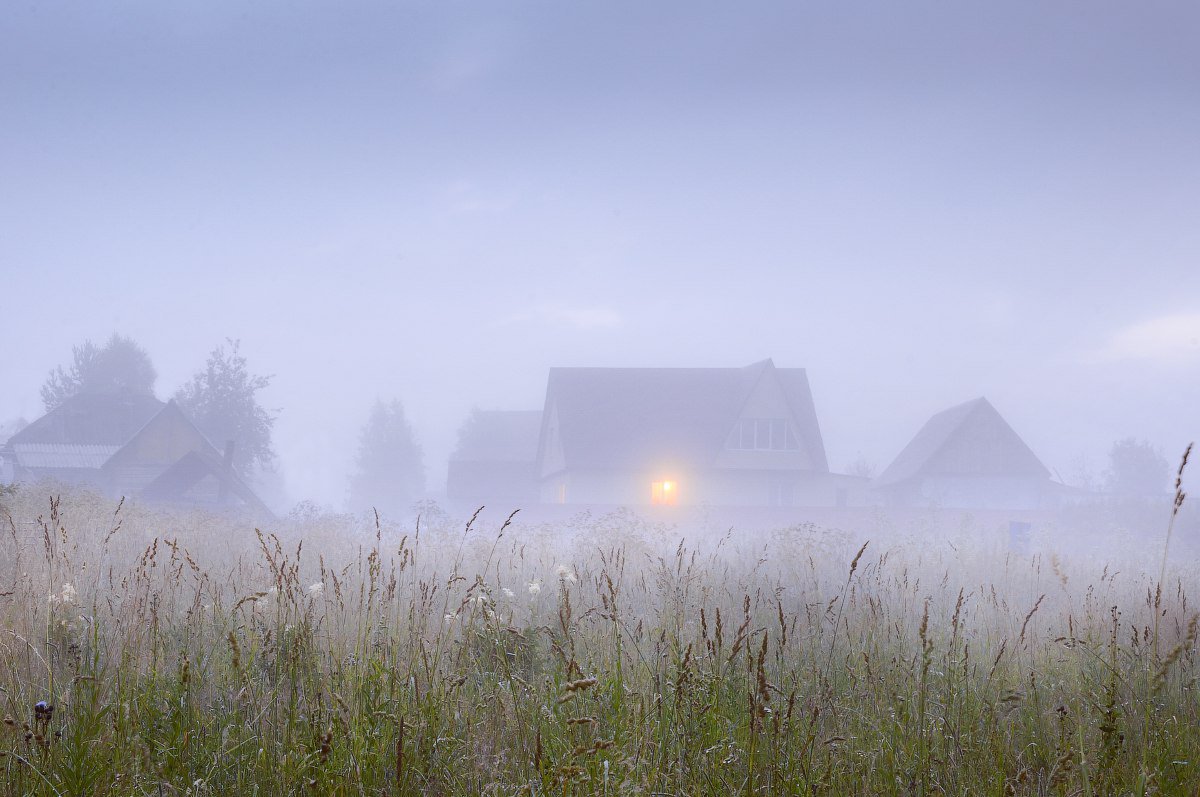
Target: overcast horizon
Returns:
[[919, 204]]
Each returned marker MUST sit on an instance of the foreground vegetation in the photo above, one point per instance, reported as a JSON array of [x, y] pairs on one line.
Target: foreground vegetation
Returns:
[[150, 654]]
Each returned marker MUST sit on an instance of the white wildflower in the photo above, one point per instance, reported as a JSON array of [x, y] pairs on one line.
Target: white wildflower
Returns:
[[66, 596], [449, 618], [316, 589], [565, 574], [534, 588], [508, 593]]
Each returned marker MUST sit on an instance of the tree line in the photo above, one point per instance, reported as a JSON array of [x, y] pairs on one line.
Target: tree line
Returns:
[[222, 399]]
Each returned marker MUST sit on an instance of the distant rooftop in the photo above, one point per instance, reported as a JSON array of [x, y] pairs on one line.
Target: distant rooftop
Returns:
[[993, 447], [500, 436], [91, 419]]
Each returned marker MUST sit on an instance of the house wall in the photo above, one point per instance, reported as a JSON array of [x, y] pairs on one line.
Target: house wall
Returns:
[[551, 443], [598, 487], [92, 478], [775, 488], [484, 481], [759, 488], [982, 492], [207, 491]]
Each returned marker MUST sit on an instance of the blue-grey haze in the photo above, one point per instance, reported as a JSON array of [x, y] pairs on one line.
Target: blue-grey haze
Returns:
[[919, 202]]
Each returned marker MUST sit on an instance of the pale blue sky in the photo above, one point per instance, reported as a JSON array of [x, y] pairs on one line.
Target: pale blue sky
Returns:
[[918, 202]]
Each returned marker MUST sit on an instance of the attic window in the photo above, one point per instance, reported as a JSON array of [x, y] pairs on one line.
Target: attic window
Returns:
[[664, 493], [764, 434]]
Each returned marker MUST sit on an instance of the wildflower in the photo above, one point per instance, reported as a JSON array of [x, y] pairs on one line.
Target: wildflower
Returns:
[[316, 589], [508, 593], [66, 596], [449, 618], [534, 588], [565, 574]]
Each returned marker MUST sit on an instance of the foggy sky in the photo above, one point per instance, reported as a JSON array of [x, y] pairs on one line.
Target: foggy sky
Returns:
[[918, 202]]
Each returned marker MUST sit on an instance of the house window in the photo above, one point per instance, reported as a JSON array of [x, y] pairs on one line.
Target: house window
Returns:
[[562, 492], [764, 434], [781, 494], [664, 493]]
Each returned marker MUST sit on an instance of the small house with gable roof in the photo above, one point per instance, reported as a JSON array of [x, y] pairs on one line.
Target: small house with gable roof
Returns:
[[967, 456], [128, 444]]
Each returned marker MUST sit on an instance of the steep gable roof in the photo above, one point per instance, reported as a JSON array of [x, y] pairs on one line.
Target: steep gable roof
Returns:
[[800, 400], [164, 438], [627, 417], [193, 467], [969, 439]]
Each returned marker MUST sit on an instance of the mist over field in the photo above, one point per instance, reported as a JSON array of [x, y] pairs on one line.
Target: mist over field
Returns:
[[426, 398], [919, 205]]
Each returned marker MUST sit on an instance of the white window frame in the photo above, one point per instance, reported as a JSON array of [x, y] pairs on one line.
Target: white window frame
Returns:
[[764, 434]]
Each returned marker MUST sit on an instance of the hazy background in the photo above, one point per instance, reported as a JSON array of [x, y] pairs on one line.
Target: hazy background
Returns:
[[918, 202]]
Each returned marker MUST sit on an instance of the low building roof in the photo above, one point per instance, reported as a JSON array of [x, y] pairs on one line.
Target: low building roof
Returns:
[[499, 436], [968, 439], [91, 419], [174, 483]]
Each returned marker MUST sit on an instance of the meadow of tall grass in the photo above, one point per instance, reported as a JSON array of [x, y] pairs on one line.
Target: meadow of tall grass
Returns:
[[153, 653]]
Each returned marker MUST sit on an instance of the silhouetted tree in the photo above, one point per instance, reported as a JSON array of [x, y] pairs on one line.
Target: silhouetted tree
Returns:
[[469, 428], [222, 400], [1136, 468], [120, 365], [390, 467], [861, 467]]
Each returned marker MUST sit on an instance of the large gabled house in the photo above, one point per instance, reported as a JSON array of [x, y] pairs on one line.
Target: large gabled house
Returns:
[[967, 456], [690, 436], [128, 444]]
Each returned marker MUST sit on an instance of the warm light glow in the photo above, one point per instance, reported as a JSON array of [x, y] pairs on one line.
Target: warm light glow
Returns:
[[664, 493]]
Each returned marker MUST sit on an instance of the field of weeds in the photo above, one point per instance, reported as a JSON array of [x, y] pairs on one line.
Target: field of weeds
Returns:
[[144, 653]]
